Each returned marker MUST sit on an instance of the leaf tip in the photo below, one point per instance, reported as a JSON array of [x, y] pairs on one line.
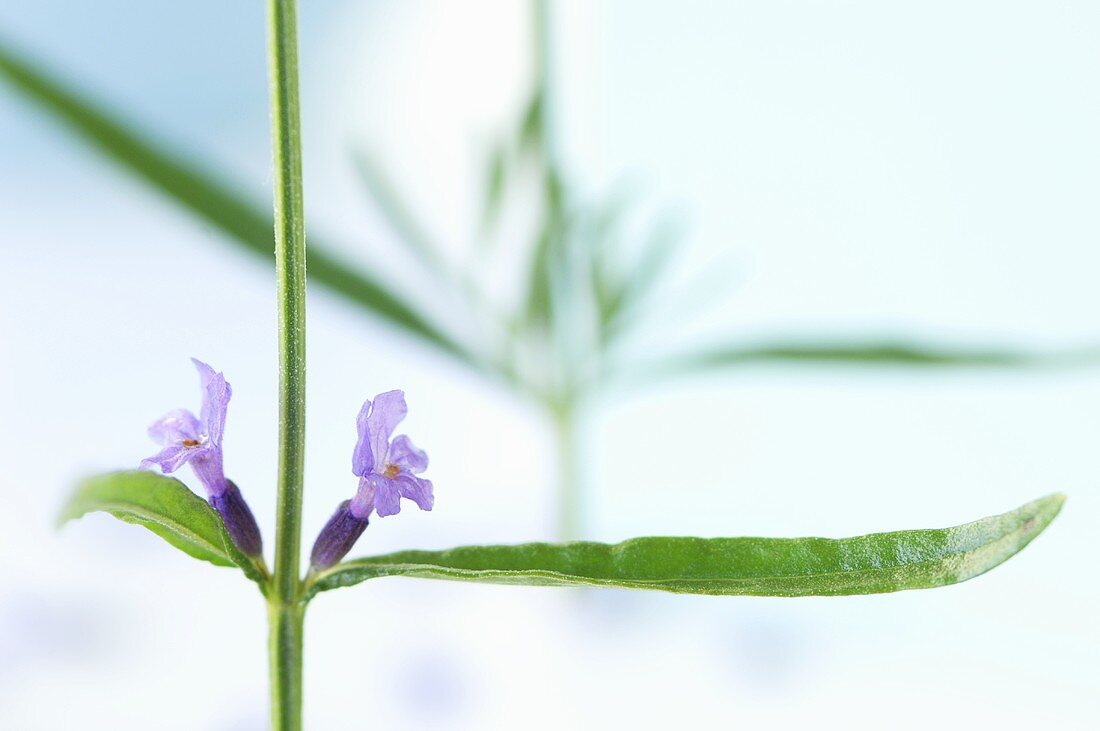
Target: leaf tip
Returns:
[[72, 508], [63, 516], [1051, 504], [1038, 514]]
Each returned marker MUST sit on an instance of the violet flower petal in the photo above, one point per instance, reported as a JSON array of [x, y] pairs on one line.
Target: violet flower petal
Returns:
[[416, 489], [216, 393], [363, 503], [175, 426], [170, 459], [362, 458], [387, 497], [406, 456], [387, 412], [207, 466]]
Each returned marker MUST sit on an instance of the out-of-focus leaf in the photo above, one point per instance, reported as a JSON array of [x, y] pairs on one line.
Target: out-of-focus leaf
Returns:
[[166, 507], [206, 194], [871, 354], [540, 277], [870, 564], [624, 301], [608, 285], [548, 252], [397, 212], [553, 191], [530, 127], [495, 177]]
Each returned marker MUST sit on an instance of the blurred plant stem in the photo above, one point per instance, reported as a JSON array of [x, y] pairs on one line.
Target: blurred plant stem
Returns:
[[560, 404], [286, 607], [568, 420]]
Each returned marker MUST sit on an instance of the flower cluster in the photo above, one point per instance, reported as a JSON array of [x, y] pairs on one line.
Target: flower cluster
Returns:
[[388, 468]]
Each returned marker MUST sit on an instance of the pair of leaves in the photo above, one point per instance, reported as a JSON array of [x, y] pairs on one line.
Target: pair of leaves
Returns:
[[870, 564]]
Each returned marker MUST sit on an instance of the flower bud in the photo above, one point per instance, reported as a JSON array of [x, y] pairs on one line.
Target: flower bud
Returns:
[[337, 537], [238, 519]]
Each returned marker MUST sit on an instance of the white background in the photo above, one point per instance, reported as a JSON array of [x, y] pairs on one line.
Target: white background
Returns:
[[848, 167]]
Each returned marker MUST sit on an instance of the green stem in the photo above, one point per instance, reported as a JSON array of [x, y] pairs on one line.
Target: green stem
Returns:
[[286, 609], [565, 408], [567, 433], [284, 648]]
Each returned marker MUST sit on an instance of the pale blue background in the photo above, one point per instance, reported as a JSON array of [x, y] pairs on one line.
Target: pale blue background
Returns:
[[927, 169]]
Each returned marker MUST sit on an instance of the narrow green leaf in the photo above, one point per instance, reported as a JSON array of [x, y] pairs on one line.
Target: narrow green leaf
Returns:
[[206, 194], [165, 506], [398, 214], [867, 353], [656, 253], [495, 177], [871, 564], [540, 278], [530, 125], [622, 307], [548, 253]]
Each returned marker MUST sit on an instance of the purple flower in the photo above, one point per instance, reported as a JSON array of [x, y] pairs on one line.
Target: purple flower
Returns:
[[387, 471], [197, 441]]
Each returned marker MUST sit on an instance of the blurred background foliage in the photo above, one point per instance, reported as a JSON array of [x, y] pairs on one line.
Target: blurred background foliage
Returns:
[[587, 269], [890, 188]]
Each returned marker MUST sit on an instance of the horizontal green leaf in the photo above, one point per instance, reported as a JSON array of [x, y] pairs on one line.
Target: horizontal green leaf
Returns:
[[206, 194], [871, 564], [875, 354], [165, 506]]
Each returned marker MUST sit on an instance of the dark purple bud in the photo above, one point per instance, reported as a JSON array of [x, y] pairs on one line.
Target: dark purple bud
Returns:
[[239, 522], [337, 537]]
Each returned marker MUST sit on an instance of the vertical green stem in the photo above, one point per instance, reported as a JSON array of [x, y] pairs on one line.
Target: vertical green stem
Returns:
[[566, 408], [567, 433], [284, 649], [285, 607]]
